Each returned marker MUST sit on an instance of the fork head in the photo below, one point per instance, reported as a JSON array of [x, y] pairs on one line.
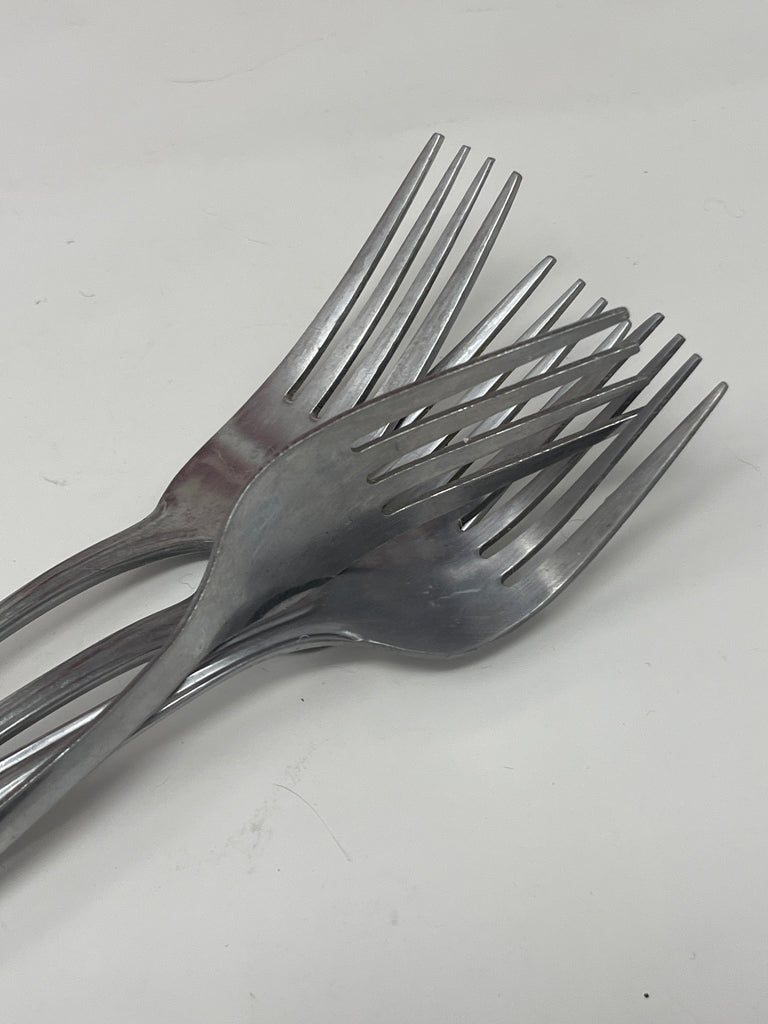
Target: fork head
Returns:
[[347, 347], [444, 589], [379, 501]]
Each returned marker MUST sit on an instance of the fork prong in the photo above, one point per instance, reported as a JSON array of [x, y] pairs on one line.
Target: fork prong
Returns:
[[548, 364], [644, 330], [553, 574], [515, 550], [480, 337], [465, 350], [446, 424], [434, 329], [366, 369], [353, 334], [549, 317], [392, 407], [563, 302], [638, 336], [502, 439], [447, 497], [336, 307], [505, 509]]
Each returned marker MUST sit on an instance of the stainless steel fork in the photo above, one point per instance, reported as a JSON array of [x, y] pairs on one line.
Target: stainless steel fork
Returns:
[[313, 533], [451, 586], [136, 644], [330, 363]]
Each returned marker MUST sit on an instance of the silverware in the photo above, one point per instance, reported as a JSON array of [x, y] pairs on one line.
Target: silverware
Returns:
[[334, 494], [315, 378], [137, 643], [455, 584]]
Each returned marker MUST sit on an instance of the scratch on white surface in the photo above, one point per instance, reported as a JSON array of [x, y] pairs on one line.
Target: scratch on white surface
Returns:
[[751, 465], [234, 231], [715, 203], [319, 817]]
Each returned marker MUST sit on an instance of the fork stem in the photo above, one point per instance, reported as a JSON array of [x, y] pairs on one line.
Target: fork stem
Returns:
[[162, 534], [281, 639], [128, 648], [211, 619]]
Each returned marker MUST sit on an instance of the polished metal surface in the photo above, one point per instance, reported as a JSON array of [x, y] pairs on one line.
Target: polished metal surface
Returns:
[[442, 589], [134, 645], [336, 493], [195, 505]]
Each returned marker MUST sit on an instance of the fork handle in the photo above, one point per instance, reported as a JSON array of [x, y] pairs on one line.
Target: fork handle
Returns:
[[126, 649], [20, 765], [163, 533]]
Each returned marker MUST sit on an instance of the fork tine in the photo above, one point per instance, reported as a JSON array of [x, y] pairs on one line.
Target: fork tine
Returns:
[[367, 368], [430, 335], [496, 516], [352, 336], [447, 497], [638, 336], [502, 439], [478, 339], [467, 349], [543, 323], [548, 364], [552, 575], [312, 342], [516, 551], [483, 334], [552, 314], [644, 330], [392, 407], [446, 424]]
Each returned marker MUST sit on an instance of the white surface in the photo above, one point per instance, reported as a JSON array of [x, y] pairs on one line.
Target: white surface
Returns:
[[544, 833]]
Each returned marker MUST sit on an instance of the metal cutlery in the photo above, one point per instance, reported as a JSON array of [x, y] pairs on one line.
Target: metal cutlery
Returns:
[[448, 587], [346, 486]]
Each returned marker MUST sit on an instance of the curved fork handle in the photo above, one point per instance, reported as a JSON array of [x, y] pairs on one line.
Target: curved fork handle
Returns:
[[158, 536], [128, 648], [20, 765]]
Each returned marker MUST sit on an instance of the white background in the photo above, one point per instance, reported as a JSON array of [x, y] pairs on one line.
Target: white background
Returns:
[[545, 832]]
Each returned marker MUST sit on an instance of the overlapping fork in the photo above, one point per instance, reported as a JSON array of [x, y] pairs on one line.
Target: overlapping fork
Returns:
[[460, 581], [346, 486], [396, 461], [138, 643], [339, 360]]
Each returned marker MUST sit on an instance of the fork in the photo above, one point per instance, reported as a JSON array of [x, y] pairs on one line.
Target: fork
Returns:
[[195, 505], [137, 643], [452, 586], [313, 533]]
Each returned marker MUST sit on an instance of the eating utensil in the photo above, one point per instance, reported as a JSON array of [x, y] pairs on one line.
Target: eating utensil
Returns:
[[344, 487], [336, 362], [453, 585]]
